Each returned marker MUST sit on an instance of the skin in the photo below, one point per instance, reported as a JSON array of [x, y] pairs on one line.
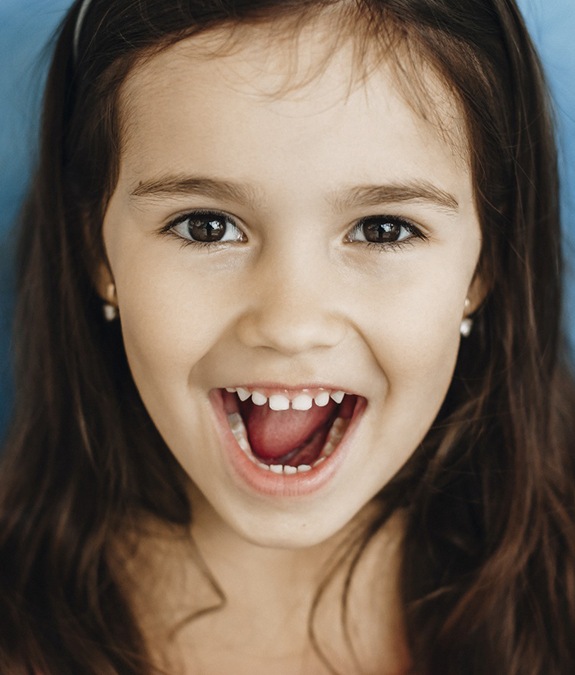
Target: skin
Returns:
[[291, 297]]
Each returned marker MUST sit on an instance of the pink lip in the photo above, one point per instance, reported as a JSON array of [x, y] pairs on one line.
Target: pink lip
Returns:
[[246, 474]]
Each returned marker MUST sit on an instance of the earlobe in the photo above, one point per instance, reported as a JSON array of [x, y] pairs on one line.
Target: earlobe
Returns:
[[476, 294], [475, 297], [106, 289], [110, 307]]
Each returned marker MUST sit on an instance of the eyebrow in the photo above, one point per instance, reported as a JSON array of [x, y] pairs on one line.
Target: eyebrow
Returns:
[[354, 197], [189, 185], [396, 193]]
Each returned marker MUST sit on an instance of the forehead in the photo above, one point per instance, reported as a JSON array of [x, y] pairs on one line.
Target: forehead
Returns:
[[280, 60], [222, 90]]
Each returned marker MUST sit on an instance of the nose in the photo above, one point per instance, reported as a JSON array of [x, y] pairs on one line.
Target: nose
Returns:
[[293, 306]]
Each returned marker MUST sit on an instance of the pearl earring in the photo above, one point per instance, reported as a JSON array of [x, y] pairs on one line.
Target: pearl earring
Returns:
[[466, 323], [110, 309], [465, 327]]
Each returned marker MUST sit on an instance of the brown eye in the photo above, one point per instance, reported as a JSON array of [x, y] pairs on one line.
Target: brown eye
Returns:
[[382, 230], [207, 227]]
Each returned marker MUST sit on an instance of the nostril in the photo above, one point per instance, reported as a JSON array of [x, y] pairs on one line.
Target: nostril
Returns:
[[290, 329]]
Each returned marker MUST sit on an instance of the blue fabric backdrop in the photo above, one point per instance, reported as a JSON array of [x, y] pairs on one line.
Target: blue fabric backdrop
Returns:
[[25, 28]]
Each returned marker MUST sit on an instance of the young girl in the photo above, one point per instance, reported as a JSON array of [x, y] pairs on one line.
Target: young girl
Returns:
[[291, 392]]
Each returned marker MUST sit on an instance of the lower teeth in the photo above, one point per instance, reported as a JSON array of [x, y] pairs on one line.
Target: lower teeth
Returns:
[[335, 435]]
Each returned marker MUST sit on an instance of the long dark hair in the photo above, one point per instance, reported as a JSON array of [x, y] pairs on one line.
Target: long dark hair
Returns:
[[488, 573]]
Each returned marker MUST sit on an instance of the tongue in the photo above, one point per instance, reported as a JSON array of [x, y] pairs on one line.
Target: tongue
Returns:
[[273, 434]]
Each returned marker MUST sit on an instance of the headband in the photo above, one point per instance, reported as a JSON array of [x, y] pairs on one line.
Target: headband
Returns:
[[79, 22]]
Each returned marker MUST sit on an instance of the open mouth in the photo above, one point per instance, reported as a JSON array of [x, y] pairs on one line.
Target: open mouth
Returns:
[[289, 433]]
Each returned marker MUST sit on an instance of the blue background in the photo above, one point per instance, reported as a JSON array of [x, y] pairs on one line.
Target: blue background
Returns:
[[26, 26]]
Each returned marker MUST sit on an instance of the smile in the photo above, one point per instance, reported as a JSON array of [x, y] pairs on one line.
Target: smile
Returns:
[[289, 432]]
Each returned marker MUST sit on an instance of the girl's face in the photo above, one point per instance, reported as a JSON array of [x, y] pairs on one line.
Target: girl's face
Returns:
[[287, 231]]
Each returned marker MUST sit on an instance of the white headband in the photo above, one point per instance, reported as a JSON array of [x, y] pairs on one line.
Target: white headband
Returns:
[[78, 29]]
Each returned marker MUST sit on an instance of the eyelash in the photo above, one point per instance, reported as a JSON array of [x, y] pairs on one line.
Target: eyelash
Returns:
[[414, 233], [170, 228]]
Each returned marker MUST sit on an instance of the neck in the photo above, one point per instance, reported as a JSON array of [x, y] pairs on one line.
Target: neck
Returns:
[[261, 600]]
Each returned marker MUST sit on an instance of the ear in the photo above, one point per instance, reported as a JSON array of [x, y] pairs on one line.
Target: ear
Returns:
[[104, 283], [98, 267], [476, 294]]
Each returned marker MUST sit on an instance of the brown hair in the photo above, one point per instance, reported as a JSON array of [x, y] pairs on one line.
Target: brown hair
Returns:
[[488, 575]]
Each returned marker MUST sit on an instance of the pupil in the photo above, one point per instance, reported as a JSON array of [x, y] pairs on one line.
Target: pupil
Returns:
[[206, 229], [380, 232]]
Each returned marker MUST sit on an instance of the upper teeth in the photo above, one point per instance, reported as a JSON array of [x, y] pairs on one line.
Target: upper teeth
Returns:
[[303, 401]]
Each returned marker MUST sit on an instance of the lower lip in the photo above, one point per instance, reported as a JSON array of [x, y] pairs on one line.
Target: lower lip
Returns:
[[265, 482]]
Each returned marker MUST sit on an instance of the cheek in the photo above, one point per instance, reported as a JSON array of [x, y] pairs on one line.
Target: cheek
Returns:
[[416, 353], [414, 338], [169, 320], [420, 315], [417, 363]]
